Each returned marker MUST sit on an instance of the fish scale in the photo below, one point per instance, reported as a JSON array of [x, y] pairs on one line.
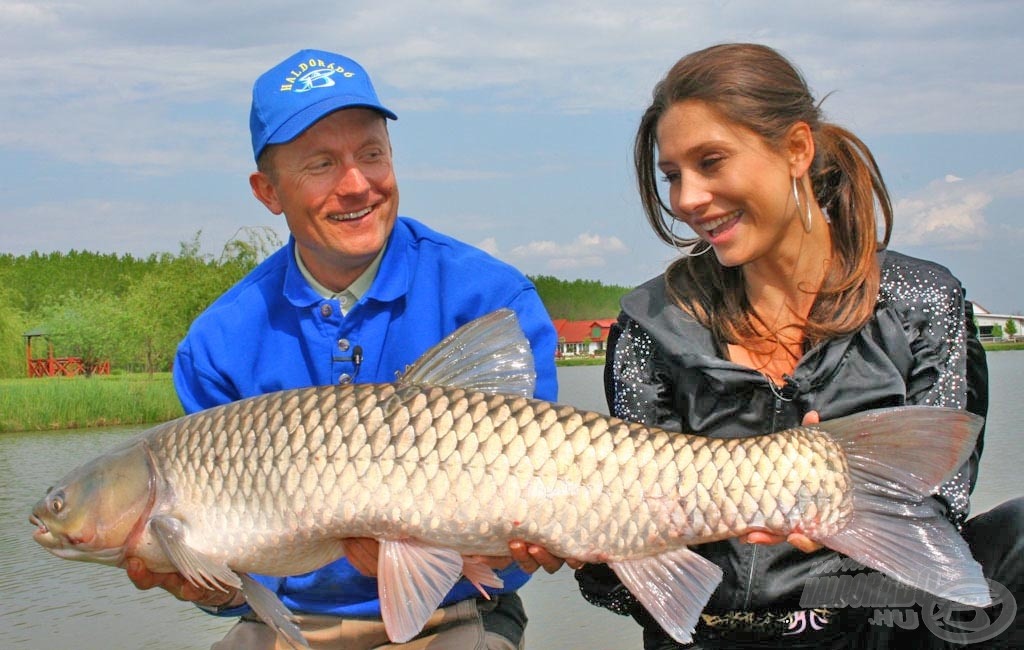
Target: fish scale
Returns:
[[417, 450], [441, 466]]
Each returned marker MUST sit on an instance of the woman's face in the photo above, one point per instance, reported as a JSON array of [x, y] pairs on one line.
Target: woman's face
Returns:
[[727, 184]]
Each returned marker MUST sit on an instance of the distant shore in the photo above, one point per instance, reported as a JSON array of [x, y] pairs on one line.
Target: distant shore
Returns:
[[51, 403], [46, 404]]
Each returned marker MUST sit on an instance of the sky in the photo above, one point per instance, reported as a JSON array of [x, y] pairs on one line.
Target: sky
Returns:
[[124, 124]]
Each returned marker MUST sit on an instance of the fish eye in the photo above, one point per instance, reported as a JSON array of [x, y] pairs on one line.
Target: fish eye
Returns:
[[57, 503]]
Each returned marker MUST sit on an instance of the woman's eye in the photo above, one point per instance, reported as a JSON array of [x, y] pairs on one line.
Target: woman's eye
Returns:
[[710, 162]]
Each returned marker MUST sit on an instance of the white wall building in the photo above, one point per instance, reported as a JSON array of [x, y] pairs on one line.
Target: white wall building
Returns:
[[987, 321]]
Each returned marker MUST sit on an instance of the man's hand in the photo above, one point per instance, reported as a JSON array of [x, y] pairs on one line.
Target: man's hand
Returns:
[[176, 585], [362, 552]]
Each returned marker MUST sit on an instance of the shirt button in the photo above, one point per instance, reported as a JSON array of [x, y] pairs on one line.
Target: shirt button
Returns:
[[343, 344], [345, 378], [344, 301], [325, 310]]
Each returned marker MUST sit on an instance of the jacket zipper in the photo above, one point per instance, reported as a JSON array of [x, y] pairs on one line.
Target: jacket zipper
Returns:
[[777, 407]]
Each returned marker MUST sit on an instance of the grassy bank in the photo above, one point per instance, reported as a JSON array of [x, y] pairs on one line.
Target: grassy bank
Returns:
[[995, 346], [66, 403], [580, 361]]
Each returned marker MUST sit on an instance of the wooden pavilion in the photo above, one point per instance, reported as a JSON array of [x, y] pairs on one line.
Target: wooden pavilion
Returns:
[[51, 366]]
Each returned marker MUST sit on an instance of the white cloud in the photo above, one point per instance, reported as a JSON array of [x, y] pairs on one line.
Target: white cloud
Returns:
[[489, 245], [949, 221], [952, 212], [588, 250]]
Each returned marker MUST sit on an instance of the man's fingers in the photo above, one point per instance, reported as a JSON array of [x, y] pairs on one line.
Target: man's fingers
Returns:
[[362, 553]]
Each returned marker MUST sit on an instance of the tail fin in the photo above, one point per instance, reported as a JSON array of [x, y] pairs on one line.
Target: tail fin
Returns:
[[897, 458]]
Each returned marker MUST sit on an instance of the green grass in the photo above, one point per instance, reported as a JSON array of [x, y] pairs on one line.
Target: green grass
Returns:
[[995, 346], [41, 404], [580, 361]]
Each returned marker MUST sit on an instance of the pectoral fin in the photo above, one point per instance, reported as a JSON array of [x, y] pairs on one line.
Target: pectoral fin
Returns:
[[481, 575], [197, 568], [272, 611], [673, 587], [413, 578]]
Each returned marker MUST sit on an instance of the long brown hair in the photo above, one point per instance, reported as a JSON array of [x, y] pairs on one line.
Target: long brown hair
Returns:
[[756, 87]]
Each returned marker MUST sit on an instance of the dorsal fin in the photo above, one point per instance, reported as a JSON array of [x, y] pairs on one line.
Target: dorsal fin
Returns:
[[490, 354]]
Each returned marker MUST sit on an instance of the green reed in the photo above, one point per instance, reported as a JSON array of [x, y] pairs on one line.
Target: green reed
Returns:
[[73, 402]]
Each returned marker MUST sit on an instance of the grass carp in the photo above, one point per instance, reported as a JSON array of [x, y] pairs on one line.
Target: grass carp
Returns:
[[454, 459]]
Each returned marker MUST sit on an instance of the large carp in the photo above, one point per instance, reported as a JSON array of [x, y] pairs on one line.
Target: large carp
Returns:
[[455, 459]]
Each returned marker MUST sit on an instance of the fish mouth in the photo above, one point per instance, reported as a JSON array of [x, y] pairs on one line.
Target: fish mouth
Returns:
[[43, 535], [65, 548]]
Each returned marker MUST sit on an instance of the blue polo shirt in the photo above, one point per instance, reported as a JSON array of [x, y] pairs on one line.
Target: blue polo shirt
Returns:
[[273, 331]]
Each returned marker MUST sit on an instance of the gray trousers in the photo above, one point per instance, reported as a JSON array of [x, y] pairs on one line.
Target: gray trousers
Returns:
[[474, 624]]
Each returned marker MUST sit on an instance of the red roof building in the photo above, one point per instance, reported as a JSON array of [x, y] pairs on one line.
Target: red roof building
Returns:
[[582, 338]]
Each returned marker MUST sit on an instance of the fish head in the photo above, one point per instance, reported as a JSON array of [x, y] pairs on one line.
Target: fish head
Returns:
[[97, 511]]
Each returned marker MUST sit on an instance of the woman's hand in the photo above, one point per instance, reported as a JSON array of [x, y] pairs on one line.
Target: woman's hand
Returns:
[[798, 540], [531, 557]]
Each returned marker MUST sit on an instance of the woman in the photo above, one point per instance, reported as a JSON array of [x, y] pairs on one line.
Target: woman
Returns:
[[784, 307]]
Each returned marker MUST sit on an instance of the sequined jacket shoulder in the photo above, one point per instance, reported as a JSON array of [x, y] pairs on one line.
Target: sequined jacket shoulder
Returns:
[[665, 369]]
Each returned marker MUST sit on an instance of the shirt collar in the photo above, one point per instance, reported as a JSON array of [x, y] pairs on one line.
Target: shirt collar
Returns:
[[353, 292]]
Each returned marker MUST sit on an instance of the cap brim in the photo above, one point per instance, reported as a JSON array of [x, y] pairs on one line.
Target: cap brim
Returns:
[[297, 124]]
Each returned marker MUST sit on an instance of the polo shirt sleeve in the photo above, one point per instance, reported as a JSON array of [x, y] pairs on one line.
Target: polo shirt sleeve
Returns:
[[197, 386]]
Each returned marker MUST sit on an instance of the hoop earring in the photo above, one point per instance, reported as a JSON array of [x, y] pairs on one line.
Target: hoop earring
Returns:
[[693, 244], [808, 216]]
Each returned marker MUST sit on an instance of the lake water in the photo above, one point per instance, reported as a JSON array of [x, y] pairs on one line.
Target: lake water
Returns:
[[48, 603]]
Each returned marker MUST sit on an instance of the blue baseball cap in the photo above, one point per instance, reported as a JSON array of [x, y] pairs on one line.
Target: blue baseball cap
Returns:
[[293, 95]]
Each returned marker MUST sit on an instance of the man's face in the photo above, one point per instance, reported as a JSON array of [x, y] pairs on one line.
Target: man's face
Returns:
[[336, 186]]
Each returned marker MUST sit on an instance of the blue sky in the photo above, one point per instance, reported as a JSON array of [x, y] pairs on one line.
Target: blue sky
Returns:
[[124, 125]]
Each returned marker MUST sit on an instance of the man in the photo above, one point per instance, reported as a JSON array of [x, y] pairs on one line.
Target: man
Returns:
[[356, 295]]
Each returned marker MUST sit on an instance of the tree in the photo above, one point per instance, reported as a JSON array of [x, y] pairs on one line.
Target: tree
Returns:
[[1011, 327], [161, 305], [87, 324], [997, 332], [12, 327]]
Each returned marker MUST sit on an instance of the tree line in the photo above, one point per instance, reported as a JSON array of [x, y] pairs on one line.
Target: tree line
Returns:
[[133, 311], [127, 310]]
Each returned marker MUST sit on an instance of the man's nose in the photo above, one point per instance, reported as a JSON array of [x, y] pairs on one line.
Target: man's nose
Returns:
[[352, 181]]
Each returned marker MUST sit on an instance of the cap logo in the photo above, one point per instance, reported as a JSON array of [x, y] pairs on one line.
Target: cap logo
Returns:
[[313, 73]]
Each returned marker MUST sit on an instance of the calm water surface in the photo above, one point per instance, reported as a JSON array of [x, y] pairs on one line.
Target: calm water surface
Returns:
[[48, 603]]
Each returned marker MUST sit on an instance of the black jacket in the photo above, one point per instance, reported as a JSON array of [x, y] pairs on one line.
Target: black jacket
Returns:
[[665, 369]]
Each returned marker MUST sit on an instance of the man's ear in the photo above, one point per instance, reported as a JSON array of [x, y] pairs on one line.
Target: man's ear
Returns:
[[264, 190], [799, 145]]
